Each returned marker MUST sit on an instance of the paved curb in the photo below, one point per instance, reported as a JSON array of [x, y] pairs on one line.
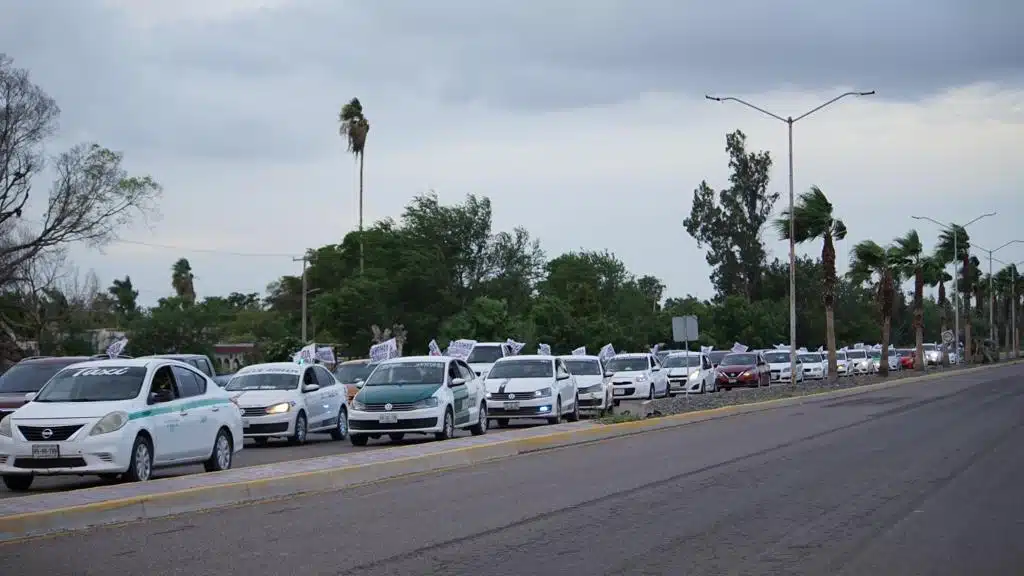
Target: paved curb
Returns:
[[156, 505]]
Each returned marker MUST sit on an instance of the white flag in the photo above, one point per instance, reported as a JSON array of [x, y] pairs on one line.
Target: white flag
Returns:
[[802, 350], [858, 346], [821, 349], [384, 351], [307, 355], [516, 347], [706, 349], [117, 347], [737, 347], [654, 350], [581, 351], [782, 346], [544, 350], [435, 350], [460, 349], [606, 353], [325, 354]]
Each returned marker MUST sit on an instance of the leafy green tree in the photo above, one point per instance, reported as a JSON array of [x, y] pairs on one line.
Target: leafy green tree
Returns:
[[878, 265]]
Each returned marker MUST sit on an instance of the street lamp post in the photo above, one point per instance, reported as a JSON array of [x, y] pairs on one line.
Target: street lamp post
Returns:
[[789, 121], [956, 295], [991, 295]]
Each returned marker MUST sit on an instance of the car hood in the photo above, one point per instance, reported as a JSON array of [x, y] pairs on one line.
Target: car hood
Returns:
[[260, 398], [58, 410], [518, 384], [589, 380], [396, 393], [628, 375], [779, 365], [682, 372], [818, 365], [737, 367]]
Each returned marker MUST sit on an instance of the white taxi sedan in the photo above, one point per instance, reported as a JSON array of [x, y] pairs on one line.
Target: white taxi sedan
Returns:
[[120, 417], [595, 389], [636, 376], [689, 373], [531, 387], [289, 400]]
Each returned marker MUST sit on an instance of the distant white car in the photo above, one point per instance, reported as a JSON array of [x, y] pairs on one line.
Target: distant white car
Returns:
[[485, 354], [815, 365], [860, 362], [120, 417], [289, 400], [779, 365], [932, 354], [689, 373], [595, 389], [636, 376], [893, 360], [842, 363], [531, 387]]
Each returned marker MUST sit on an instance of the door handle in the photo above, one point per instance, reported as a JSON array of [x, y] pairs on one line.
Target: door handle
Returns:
[[184, 412], [215, 409]]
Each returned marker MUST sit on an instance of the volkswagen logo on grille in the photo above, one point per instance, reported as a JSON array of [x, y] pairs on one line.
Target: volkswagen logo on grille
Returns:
[[388, 406], [511, 396], [46, 433]]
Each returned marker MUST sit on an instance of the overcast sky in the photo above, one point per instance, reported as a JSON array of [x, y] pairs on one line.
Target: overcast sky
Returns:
[[583, 121]]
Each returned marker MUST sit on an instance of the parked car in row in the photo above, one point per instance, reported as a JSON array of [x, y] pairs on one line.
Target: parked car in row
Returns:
[[779, 367], [594, 388], [815, 365], [485, 354], [743, 369], [353, 373], [531, 387], [689, 373], [636, 376], [860, 362]]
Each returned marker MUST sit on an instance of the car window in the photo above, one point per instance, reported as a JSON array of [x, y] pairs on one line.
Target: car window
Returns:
[[323, 377], [308, 377], [453, 371], [163, 382], [188, 384], [560, 369], [467, 372]]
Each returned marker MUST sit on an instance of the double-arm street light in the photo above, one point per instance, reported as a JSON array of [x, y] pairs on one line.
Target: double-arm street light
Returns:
[[991, 296], [956, 295], [789, 121]]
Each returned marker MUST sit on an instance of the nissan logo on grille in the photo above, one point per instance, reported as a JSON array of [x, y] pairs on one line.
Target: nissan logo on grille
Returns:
[[46, 433]]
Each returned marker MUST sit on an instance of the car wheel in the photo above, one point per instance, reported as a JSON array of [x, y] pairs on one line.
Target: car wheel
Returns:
[[650, 391], [18, 482], [557, 418], [221, 457], [448, 428], [396, 436], [140, 468], [358, 439], [299, 436], [341, 430], [480, 428], [574, 416]]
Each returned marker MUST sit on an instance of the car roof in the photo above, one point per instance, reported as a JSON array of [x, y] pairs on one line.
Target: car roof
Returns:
[[684, 353], [120, 362], [173, 356], [579, 357], [358, 361], [633, 355], [527, 357], [69, 360], [438, 359], [284, 367], [489, 344]]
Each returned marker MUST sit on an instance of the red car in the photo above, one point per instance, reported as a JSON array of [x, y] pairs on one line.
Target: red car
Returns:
[[907, 358], [742, 369]]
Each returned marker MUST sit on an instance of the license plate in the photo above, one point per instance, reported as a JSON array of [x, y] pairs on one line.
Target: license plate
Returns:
[[45, 451], [511, 405], [389, 418], [732, 380], [618, 392]]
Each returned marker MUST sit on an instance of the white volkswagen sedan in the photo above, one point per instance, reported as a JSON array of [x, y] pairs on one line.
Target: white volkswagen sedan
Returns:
[[289, 400], [859, 362], [595, 389], [120, 417], [636, 376], [418, 395], [815, 365], [531, 387], [689, 373]]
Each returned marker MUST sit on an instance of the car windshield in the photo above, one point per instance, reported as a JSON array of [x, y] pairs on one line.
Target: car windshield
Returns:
[[840, 355], [263, 381], [809, 358], [584, 367], [856, 354], [739, 360], [628, 364], [28, 377], [905, 352], [399, 373], [929, 347], [876, 354], [94, 384], [716, 356], [522, 369], [681, 362], [352, 373], [776, 357], [484, 354]]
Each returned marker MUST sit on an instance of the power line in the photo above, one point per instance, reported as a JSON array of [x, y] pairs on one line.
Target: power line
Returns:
[[205, 250]]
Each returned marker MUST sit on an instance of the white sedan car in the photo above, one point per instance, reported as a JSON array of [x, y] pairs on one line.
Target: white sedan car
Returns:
[[859, 362], [531, 387], [636, 376], [595, 389], [289, 400], [120, 417], [815, 365], [689, 373], [779, 367]]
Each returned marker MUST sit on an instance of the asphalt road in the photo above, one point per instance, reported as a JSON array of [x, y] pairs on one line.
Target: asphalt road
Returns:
[[918, 479]]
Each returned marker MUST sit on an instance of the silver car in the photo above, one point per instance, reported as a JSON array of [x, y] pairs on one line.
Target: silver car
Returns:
[[858, 362]]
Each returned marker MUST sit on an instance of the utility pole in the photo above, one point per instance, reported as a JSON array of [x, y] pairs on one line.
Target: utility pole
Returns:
[[305, 261]]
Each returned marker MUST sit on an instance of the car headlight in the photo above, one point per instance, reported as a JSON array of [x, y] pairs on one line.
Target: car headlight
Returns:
[[279, 408], [5, 426], [110, 423], [747, 373], [358, 404], [695, 376], [426, 403], [489, 395], [641, 378], [543, 392]]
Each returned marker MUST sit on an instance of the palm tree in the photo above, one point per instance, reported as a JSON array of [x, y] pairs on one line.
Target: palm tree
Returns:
[[813, 219], [1003, 285], [945, 254], [912, 263], [182, 280], [354, 127], [877, 265], [935, 275]]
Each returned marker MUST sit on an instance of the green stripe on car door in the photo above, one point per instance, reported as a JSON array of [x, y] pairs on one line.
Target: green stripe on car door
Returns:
[[157, 410]]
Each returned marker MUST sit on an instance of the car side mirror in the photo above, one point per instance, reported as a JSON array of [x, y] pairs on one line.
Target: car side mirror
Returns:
[[30, 397], [310, 388], [160, 397], [563, 376], [457, 382], [359, 384], [609, 373]]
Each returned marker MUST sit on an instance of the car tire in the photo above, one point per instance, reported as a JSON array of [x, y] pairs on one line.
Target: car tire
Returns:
[[341, 430], [140, 468], [298, 437], [223, 453], [650, 391], [358, 439], [480, 428], [574, 416], [447, 427], [18, 482], [557, 418], [396, 436]]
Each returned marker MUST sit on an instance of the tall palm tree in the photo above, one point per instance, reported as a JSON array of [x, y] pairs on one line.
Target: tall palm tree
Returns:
[[354, 127], [182, 280], [912, 263], [878, 266], [945, 254], [935, 275], [1003, 283], [813, 219]]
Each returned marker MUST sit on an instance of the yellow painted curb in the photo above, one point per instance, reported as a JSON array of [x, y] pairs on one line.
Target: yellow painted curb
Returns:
[[19, 526]]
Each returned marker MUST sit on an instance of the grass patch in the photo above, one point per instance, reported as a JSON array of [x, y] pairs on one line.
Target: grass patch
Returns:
[[619, 418]]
